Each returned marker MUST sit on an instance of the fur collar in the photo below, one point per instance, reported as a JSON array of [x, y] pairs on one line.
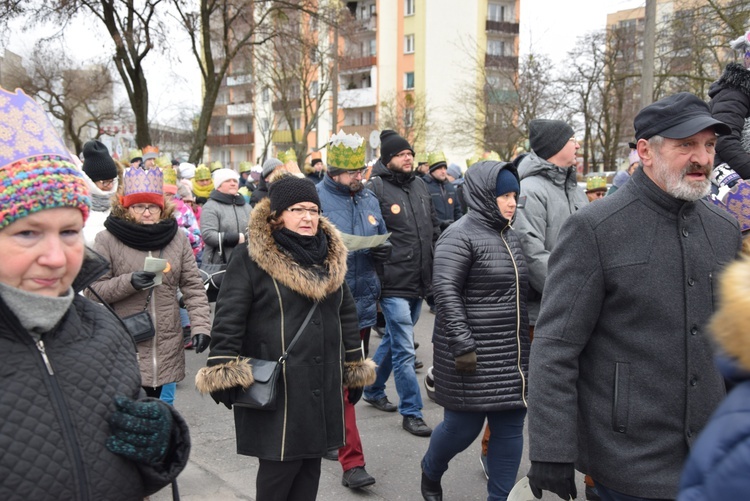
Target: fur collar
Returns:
[[262, 249], [729, 324], [737, 77]]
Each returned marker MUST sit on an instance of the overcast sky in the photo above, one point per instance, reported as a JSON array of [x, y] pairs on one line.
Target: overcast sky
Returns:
[[547, 26]]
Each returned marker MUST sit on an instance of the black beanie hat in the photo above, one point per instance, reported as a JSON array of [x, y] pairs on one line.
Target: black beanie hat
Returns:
[[548, 137], [506, 182], [97, 162], [290, 190], [391, 144]]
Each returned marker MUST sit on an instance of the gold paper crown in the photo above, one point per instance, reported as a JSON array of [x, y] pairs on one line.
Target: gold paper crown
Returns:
[[436, 157], [287, 156], [163, 162], [150, 152], [202, 173], [471, 161], [341, 156], [492, 155], [422, 157], [596, 183], [245, 167], [215, 166], [135, 154], [170, 176]]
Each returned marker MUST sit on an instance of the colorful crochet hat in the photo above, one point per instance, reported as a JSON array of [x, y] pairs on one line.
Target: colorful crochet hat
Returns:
[[436, 159], [287, 156], [36, 171], [346, 152], [202, 173], [143, 187], [150, 152]]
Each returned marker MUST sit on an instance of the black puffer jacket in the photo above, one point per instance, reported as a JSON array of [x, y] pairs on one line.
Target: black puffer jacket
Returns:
[[53, 427], [480, 287], [730, 103], [407, 208]]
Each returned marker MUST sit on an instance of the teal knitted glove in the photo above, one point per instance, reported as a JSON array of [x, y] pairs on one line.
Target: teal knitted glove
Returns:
[[140, 430]]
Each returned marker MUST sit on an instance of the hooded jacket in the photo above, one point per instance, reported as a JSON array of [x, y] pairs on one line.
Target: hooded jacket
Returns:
[[549, 195], [53, 427], [720, 458], [480, 285], [263, 301], [444, 199], [223, 218], [410, 216], [356, 214], [730, 103]]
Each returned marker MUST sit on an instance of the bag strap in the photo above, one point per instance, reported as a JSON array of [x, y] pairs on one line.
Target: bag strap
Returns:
[[283, 357]]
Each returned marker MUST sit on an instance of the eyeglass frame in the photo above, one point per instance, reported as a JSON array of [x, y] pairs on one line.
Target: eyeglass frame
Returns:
[[106, 182], [141, 209], [299, 211]]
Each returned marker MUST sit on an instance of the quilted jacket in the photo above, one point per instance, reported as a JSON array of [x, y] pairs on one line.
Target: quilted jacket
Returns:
[[162, 358], [356, 214], [223, 218], [53, 417], [730, 103], [480, 284]]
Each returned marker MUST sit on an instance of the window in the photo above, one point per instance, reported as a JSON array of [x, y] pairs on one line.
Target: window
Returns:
[[373, 47], [265, 94], [409, 7], [249, 126], [495, 48], [314, 90], [265, 125], [496, 12], [409, 44], [409, 80], [409, 117], [364, 13]]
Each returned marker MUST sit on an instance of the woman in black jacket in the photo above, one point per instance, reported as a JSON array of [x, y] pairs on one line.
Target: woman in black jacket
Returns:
[[295, 259], [481, 337]]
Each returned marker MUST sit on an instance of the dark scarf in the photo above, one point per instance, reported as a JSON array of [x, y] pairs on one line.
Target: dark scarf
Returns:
[[306, 250], [143, 237]]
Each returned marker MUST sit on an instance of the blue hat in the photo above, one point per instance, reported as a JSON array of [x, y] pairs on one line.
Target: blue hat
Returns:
[[506, 182]]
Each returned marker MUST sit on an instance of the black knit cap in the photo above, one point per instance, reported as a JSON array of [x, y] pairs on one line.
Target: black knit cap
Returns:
[[391, 144], [290, 190], [548, 137], [97, 162]]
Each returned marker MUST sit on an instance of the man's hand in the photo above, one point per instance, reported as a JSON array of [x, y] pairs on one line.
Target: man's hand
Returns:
[[558, 478]]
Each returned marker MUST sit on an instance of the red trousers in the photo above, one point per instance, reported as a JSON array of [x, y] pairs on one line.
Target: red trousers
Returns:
[[351, 455]]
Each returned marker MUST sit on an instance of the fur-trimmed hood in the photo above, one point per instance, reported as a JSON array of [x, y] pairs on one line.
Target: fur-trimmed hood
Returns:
[[735, 76], [305, 281], [730, 324]]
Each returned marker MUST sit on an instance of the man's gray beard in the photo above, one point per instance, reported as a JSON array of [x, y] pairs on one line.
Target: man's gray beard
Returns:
[[675, 183]]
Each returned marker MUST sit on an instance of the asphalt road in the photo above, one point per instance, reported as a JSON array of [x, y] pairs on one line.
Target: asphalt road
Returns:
[[217, 473]]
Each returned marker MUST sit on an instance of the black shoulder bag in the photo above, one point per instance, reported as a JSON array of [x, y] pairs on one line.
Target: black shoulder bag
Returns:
[[139, 325], [212, 274], [261, 395]]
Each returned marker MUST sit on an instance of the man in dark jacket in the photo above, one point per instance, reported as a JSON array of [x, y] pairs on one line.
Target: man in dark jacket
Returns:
[[444, 197], [406, 276], [621, 329]]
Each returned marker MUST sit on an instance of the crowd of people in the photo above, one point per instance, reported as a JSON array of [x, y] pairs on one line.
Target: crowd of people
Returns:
[[612, 316]]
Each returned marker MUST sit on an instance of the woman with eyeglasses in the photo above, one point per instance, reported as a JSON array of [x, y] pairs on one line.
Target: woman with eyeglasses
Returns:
[[101, 178], [141, 226], [294, 259]]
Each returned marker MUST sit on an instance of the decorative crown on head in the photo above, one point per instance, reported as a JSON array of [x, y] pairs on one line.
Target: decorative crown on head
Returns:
[[346, 151], [287, 156]]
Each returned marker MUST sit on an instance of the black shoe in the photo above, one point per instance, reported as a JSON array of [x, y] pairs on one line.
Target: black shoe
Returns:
[[332, 455], [431, 490], [416, 344], [416, 426], [382, 404], [357, 477], [418, 364]]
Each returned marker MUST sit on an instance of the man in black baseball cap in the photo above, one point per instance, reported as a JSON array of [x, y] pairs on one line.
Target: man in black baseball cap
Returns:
[[621, 355]]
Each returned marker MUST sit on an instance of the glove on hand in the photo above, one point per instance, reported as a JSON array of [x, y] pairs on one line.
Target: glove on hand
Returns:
[[382, 252], [444, 225], [142, 280], [354, 394], [466, 363], [201, 342], [223, 397], [554, 477], [140, 430]]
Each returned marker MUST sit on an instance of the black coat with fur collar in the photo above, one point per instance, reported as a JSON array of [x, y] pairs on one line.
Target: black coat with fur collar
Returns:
[[730, 103], [263, 301]]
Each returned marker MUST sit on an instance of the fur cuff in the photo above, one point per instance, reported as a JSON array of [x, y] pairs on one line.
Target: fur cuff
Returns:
[[223, 376], [360, 373]]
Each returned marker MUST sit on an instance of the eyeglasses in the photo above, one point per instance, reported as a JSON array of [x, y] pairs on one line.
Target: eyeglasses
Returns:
[[573, 140], [300, 211], [105, 182], [404, 154], [140, 208], [356, 173]]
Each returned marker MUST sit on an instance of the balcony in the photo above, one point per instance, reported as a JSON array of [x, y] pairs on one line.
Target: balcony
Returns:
[[285, 136], [292, 104], [235, 110], [220, 110], [502, 27], [230, 140], [353, 63], [357, 98], [501, 62], [239, 80]]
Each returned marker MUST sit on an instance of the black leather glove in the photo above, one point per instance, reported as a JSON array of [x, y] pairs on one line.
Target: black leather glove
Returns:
[[558, 478], [141, 430], [201, 342], [466, 363], [382, 252], [354, 394], [444, 224], [142, 280], [223, 397]]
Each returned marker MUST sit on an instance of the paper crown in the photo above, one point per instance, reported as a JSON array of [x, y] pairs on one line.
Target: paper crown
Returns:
[[737, 203], [491, 155], [150, 152], [143, 187], [435, 157], [422, 157], [245, 167], [346, 151], [202, 173], [471, 161], [287, 156], [170, 176], [163, 162], [134, 154], [596, 183], [215, 166]]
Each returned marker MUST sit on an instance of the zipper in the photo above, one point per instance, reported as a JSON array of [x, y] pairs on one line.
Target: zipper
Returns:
[[283, 372], [518, 317], [68, 431], [153, 343]]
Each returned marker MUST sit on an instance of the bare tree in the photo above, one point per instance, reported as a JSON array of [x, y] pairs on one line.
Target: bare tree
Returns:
[[407, 112], [78, 95]]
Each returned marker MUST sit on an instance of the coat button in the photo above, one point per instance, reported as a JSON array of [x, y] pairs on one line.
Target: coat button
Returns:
[[693, 381], [689, 433], [691, 282], [684, 232], [694, 330], [316, 393], [621, 429], [318, 359]]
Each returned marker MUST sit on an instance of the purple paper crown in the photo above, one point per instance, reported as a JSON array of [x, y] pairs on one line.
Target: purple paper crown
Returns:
[[137, 180], [26, 131], [737, 203]]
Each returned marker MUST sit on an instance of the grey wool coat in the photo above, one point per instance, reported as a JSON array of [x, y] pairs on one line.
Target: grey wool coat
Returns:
[[621, 377], [262, 303]]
